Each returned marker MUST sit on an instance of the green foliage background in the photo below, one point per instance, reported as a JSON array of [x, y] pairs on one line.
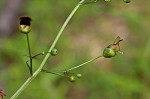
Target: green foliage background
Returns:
[[92, 28]]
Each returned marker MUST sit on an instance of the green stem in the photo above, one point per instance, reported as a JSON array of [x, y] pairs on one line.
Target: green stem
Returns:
[[30, 56], [55, 73], [27, 82], [72, 68], [37, 55], [75, 67], [92, 1]]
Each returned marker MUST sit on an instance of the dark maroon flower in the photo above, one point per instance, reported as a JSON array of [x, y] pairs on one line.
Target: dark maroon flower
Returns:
[[25, 24], [2, 94]]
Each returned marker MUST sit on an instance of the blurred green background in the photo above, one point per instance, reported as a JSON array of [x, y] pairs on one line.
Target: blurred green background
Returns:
[[93, 27]]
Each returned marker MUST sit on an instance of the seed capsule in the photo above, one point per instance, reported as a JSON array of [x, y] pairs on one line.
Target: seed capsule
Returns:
[[79, 75], [54, 52], [112, 49], [72, 78], [108, 53]]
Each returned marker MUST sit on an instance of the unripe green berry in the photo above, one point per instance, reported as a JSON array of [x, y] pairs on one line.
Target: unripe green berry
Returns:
[[127, 1], [79, 75], [107, 0], [72, 78], [54, 52], [109, 52]]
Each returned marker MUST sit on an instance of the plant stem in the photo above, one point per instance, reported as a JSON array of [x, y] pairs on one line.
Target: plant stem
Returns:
[[75, 67], [27, 82], [30, 56], [72, 68], [55, 73], [92, 1]]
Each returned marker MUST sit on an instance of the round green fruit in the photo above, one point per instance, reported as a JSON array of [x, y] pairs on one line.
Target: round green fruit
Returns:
[[54, 52], [108, 53], [79, 75], [72, 78]]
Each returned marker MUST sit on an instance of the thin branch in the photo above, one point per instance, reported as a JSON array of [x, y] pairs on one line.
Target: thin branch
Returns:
[[75, 67], [30, 56]]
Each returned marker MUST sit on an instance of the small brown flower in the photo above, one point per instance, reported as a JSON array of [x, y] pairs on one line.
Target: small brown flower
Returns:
[[1, 94], [25, 24]]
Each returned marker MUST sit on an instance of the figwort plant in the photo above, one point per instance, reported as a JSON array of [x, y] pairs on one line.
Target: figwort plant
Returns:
[[25, 28]]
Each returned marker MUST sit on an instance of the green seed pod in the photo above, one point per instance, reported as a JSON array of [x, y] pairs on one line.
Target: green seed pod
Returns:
[[72, 78], [54, 52], [127, 1], [109, 52], [112, 49], [107, 0], [25, 24], [79, 75]]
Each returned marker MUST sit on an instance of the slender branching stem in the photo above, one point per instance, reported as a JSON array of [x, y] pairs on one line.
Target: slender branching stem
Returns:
[[72, 68], [92, 1], [42, 53], [55, 73], [37, 55], [75, 67], [30, 55], [27, 82]]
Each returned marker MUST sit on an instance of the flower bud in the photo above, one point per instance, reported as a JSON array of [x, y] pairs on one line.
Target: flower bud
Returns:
[[25, 24], [72, 78], [54, 52], [79, 75]]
